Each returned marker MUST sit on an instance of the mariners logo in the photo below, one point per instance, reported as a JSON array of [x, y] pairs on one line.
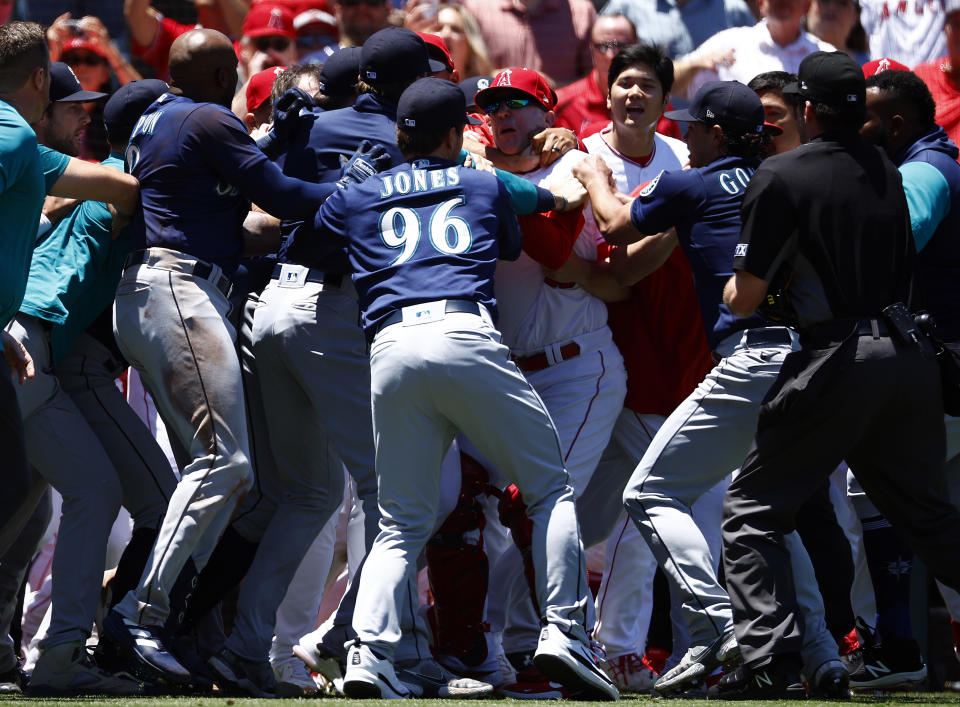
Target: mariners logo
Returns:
[[651, 185], [482, 84]]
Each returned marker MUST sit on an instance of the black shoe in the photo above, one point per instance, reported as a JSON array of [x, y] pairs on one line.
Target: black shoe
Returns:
[[237, 676], [13, 681], [144, 648], [774, 678], [888, 662]]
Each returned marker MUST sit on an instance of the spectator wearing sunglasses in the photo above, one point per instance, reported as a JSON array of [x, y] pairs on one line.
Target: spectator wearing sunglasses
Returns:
[[87, 47], [151, 34], [358, 19], [269, 38]]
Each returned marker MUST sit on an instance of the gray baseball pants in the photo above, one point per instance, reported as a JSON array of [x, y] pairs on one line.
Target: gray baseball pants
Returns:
[[174, 329]]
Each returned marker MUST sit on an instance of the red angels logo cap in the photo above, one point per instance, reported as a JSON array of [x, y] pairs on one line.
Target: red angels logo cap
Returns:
[[878, 66], [518, 80], [265, 19], [260, 85]]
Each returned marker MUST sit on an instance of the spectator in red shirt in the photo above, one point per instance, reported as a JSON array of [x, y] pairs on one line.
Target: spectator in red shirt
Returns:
[[942, 75]]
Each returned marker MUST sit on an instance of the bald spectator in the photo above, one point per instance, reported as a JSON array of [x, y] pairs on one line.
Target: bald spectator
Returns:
[[681, 25], [778, 42], [942, 75], [549, 36], [151, 34], [358, 19]]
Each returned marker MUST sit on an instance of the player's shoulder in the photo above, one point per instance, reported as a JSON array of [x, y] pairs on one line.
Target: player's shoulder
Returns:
[[672, 146], [561, 168]]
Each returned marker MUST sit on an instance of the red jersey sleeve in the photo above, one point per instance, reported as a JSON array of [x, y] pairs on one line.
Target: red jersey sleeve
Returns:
[[549, 238]]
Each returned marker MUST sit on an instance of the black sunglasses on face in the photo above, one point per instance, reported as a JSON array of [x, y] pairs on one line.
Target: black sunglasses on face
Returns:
[[278, 44], [86, 59], [511, 103]]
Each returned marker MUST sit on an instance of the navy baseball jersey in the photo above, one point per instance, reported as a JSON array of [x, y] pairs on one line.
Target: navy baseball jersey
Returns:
[[323, 144], [703, 204], [422, 231], [198, 172]]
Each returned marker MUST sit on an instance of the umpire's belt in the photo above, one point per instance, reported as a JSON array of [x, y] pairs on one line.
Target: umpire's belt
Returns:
[[840, 329], [181, 262], [463, 306], [321, 277], [539, 361]]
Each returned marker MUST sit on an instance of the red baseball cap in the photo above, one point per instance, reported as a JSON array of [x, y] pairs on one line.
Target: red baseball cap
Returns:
[[878, 66], [437, 49], [518, 80], [84, 45], [260, 85], [268, 20]]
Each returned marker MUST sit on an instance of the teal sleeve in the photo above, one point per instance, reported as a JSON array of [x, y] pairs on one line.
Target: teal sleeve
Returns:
[[524, 195], [54, 164], [928, 199]]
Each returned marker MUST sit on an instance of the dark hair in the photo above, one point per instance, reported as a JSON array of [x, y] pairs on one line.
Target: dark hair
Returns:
[[652, 55], [775, 81], [748, 144], [23, 48], [289, 78], [414, 142], [832, 119], [907, 88]]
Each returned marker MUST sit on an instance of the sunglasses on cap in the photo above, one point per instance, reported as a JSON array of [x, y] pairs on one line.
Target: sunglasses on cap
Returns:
[[511, 103], [278, 44], [88, 59]]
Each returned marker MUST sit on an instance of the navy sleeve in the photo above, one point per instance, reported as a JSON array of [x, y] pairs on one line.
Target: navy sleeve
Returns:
[[769, 221], [236, 157], [331, 219], [509, 237], [665, 202]]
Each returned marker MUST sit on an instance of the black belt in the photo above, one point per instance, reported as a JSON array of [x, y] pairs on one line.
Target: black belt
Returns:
[[453, 305], [322, 277], [838, 329], [198, 268], [774, 336]]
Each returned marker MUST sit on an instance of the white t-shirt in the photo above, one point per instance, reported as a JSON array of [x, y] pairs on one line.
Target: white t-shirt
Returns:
[[534, 314], [755, 53], [908, 31]]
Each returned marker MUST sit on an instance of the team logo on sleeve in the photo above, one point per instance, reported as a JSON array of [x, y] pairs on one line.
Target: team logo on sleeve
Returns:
[[651, 185], [741, 250]]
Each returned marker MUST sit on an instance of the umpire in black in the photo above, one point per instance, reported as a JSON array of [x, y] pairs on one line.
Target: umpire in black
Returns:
[[834, 213]]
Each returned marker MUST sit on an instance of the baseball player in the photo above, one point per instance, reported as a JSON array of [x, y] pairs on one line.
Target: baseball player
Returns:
[[557, 332], [197, 167], [726, 139], [423, 248]]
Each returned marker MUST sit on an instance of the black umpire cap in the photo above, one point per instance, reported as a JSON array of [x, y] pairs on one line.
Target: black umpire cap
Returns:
[[395, 54], [831, 78], [340, 71], [433, 104]]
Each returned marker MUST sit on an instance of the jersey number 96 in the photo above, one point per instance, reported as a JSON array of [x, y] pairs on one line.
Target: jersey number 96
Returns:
[[400, 227]]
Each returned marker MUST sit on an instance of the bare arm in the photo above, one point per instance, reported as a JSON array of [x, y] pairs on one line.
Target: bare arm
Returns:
[[233, 13], [686, 68], [261, 234], [596, 277], [633, 262], [609, 210], [743, 293], [143, 21], [95, 182]]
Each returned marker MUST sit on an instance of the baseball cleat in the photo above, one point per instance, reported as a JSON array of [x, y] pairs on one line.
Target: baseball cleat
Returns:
[[630, 673], [324, 654], [574, 664], [142, 645], [370, 676], [294, 679], [697, 664], [896, 662], [427, 678], [66, 670], [776, 678], [239, 676]]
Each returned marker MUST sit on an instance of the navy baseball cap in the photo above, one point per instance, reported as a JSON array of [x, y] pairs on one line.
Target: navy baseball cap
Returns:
[[66, 88], [433, 104], [471, 87], [831, 78], [340, 72], [729, 104], [395, 54], [126, 105]]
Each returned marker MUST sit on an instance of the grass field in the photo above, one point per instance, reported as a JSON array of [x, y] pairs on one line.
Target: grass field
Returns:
[[903, 698]]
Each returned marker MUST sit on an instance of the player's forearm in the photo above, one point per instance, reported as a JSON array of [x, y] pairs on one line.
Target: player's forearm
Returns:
[[743, 293], [261, 234], [631, 263], [280, 195], [233, 13], [143, 21], [596, 277], [95, 182]]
